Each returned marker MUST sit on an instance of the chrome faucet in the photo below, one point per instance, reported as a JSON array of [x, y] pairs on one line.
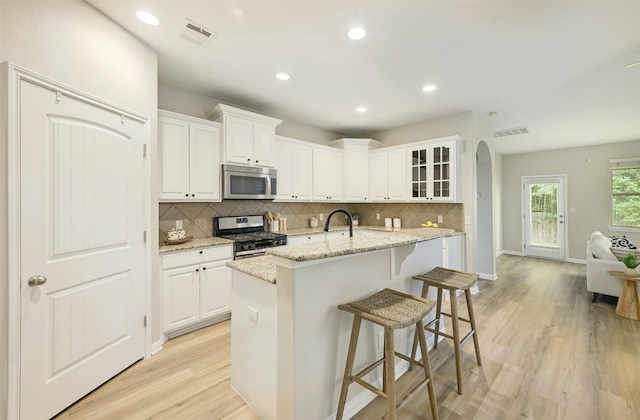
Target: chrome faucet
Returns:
[[326, 225]]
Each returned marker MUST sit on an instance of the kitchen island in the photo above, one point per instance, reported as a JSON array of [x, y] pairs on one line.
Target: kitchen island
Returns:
[[289, 340]]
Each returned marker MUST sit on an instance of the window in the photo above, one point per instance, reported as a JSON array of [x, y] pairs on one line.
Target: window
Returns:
[[625, 194]]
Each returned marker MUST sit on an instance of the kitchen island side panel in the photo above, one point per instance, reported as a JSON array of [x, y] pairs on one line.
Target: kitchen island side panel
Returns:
[[313, 335]]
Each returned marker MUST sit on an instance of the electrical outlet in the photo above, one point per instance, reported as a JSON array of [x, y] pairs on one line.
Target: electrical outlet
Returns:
[[467, 220], [381, 339], [253, 314], [178, 224], [377, 216], [321, 217], [439, 218]]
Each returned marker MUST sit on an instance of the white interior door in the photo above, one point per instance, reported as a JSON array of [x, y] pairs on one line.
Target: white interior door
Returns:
[[544, 216], [82, 230]]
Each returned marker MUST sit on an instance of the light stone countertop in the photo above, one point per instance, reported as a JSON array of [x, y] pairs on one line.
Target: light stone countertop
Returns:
[[260, 267], [356, 245], [340, 228], [264, 268], [195, 243]]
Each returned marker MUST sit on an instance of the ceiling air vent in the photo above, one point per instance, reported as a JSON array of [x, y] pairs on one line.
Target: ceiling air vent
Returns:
[[196, 34], [512, 132]]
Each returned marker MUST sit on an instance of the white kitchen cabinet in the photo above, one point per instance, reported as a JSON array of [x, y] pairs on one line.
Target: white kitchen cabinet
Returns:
[[196, 287], [435, 171], [327, 174], [248, 138], [356, 167], [294, 164], [189, 158], [388, 175]]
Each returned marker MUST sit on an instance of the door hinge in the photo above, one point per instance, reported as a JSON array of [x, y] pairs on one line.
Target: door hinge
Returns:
[[524, 246], [144, 236], [144, 321], [144, 150]]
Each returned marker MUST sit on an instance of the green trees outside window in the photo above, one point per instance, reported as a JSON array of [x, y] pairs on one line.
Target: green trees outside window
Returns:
[[625, 197]]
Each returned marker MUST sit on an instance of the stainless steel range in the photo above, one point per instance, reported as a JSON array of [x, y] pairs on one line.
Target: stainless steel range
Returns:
[[248, 235]]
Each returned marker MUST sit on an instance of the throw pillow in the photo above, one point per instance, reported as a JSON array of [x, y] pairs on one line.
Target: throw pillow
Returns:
[[622, 243], [594, 234], [600, 248]]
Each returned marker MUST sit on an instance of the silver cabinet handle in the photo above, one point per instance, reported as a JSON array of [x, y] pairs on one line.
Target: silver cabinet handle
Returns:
[[37, 280]]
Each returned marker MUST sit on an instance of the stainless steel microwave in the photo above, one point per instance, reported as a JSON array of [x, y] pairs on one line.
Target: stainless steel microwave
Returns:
[[241, 182]]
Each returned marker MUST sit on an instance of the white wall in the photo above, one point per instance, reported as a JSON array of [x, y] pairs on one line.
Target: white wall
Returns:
[[73, 44], [185, 102], [588, 190]]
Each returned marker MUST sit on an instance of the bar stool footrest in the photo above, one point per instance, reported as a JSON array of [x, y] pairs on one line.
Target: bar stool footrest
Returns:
[[431, 330]]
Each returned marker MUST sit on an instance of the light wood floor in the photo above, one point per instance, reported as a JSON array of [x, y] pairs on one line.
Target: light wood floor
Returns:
[[547, 352]]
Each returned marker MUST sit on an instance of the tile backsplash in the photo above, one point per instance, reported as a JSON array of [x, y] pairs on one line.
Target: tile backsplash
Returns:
[[197, 218]]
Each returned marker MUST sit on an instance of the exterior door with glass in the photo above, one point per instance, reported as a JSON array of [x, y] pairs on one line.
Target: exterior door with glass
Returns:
[[544, 224]]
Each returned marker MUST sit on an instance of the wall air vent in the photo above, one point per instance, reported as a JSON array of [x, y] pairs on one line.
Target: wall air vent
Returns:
[[512, 132], [196, 34]]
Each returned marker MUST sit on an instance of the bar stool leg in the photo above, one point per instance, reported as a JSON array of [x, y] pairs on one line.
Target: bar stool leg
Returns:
[[456, 337], [414, 347], [427, 369], [438, 316], [353, 343], [472, 320], [389, 367]]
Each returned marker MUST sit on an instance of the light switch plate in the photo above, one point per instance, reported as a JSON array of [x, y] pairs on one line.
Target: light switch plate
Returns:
[[439, 218], [467, 220], [178, 224]]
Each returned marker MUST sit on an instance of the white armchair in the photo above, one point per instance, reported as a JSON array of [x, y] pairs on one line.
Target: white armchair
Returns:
[[598, 280]]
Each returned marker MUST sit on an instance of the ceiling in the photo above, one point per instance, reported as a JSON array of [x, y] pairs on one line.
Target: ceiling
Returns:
[[557, 67]]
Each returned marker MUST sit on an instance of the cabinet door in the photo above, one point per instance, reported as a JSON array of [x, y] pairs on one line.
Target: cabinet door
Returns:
[[356, 158], [440, 185], [397, 175], [327, 175], [419, 162], [173, 141], [180, 297], [215, 289], [378, 176], [263, 143], [205, 163], [238, 140], [285, 164], [302, 173]]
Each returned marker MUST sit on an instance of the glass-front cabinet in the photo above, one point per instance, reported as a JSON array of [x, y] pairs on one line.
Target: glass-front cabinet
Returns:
[[433, 172]]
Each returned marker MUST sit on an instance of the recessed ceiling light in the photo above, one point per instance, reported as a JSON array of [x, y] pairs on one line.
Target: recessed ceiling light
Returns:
[[361, 109], [148, 18], [429, 88], [283, 76], [357, 33]]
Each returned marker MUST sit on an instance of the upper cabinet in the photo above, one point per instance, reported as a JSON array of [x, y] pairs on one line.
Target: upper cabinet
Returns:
[[293, 160], [189, 158], [327, 174], [388, 175], [356, 167], [248, 138], [436, 170]]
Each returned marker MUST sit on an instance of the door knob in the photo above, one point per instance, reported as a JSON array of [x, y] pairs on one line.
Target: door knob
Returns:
[[37, 280]]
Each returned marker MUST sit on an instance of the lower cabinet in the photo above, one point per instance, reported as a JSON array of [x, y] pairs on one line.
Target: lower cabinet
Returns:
[[196, 287]]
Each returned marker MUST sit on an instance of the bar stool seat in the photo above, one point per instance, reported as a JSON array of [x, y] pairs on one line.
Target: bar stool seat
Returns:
[[451, 280], [392, 310]]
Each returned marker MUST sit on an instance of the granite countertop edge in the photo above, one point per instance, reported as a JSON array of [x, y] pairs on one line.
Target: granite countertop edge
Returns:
[[262, 268], [357, 245], [194, 244]]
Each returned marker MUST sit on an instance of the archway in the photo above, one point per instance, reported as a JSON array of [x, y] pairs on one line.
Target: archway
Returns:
[[485, 257]]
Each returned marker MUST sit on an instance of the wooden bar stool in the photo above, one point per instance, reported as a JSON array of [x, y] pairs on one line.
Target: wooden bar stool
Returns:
[[392, 310], [451, 280]]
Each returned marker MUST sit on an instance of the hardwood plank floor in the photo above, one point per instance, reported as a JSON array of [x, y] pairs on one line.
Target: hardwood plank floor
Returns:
[[547, 353]]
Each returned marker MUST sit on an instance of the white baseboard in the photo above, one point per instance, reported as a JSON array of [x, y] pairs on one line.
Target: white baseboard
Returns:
[[184, 330], [486, 276], [157, 346], [508, 252]]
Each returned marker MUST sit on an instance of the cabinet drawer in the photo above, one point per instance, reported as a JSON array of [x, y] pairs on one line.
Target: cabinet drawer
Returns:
[[195, 257]]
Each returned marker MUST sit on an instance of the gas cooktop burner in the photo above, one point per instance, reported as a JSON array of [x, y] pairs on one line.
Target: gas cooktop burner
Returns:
[[248, 234]]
